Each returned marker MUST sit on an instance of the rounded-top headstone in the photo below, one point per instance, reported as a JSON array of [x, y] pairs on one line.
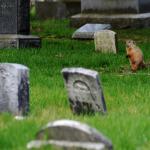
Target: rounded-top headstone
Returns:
[[73, 131]]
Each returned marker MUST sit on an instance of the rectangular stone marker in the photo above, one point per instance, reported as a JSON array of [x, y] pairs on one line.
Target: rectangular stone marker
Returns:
[[115, 6], [105, 41], [87, 31], [15, 24], [70, 135], [84, 90], [119, 13], [14, 89], [14, 16]]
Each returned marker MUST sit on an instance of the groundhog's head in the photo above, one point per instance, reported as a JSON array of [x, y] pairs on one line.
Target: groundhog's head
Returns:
[[130, 43]]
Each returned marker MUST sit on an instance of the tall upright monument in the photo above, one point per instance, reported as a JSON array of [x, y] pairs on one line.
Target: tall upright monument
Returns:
[[15, 25], [118, 13]]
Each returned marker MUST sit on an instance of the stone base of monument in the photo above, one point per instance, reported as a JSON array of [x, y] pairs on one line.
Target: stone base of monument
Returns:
[[19, 41], [117, 21]]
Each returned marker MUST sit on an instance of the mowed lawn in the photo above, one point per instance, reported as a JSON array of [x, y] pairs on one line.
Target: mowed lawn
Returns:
[[127, 94]]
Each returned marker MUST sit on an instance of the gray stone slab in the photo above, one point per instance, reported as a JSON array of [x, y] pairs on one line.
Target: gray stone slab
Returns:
[[69, 133], [105, 41], [84, 90], [14, 16], [117, 21], [115, 6], [14, 89], [87, 31], [19, 41]]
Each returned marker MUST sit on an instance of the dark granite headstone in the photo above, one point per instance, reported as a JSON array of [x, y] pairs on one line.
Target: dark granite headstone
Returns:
[[15, 21], [70, 135], [84, 91]]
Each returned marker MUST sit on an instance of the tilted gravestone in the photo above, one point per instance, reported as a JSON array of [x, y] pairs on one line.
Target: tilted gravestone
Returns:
[[14, 89], [87, 31], [118, 13], [15, 25], [105, 41], [70, 135], [84, 90]]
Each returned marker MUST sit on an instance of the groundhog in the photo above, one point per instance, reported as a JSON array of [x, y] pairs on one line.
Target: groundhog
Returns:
[[135, 55]]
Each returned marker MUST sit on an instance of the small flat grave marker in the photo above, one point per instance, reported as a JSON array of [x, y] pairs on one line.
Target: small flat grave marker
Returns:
[[87, 31], [84, 90], [14, 89]]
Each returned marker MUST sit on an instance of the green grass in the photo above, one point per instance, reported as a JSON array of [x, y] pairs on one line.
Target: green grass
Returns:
[[127, 94]]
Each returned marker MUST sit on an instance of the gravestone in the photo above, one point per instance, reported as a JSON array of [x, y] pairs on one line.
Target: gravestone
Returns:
[[84, 91], [118, 13], [87, 31], [70, 135], [105, 41], [14, 89], [57, 9], [115, 6], [15, 24]]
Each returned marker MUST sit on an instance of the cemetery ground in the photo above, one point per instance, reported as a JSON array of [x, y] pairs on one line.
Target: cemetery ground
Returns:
[[127, 95]]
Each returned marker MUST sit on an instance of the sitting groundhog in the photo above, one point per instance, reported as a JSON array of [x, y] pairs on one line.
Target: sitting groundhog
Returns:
[[135, 55]]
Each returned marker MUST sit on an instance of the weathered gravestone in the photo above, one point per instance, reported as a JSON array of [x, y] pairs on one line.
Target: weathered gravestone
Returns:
[[70, 135], [87, 31], [84, 90], [15, 25], [14, 89], [118, 13], [105, 41]]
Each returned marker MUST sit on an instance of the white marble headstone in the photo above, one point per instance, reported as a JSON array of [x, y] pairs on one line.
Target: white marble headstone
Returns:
[[14, 89]]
